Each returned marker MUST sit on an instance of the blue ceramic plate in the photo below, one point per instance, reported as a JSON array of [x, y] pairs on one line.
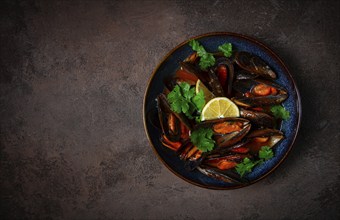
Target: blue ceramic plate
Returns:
[[211, 41]]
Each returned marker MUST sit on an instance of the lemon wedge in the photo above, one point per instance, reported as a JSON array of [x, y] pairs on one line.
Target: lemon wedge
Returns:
[[207, 94], [219, 107]]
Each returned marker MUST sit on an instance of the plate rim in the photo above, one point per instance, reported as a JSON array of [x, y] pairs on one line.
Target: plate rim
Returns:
[[267, 50]]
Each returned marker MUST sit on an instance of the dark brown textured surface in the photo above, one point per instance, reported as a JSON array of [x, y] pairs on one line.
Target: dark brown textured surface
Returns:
[[73, 75]]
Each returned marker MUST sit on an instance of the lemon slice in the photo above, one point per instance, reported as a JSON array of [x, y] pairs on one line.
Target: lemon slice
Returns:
[[219, 107], [207, 94]]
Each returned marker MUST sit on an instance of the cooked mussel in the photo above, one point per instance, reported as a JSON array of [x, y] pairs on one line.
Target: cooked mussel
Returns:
[[175, 127], [224, 70], [253, 64], [225, 162], [228, 176], [263, 137], [181, 76], [258, 118], [208, 78], [191, 155], [239, 147], [242, 74], [228, 131], [257, 92], [190, 152]]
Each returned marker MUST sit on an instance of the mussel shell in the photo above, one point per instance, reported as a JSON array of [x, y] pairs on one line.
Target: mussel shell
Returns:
[[192, 58], [194, 69], [215, 84], [189, 151], [230, 73], [274, 135], [260, 119], [259, 101], [265, 133], [253, 63], [191, 155], [173, 145], [208, 78], [221, 151], [235, 157], [226, 140], [209, 123], [246, 85], [228, 176], [163, 114], [242, 74]]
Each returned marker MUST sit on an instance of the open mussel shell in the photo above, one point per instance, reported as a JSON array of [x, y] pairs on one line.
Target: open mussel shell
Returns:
[[231, 138], [221, 151], [170, 120], [228, 176], [247, 85], [227, 63], [208, 78], [180, 77], [191, 155], [189, 152], [263, 137], [253, 64], [225, 162], [260, 119], [259, 101], [169, 123], [228, 156], [242, 74]]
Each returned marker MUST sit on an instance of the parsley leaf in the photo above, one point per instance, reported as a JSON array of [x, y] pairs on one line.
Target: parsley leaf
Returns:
[[177, 101], [197, 47], [206, 59], [199, 100], [247, 165], [202, 139], [226, 49], [183, 99], [198, 119], [280, 112], [266, 153]]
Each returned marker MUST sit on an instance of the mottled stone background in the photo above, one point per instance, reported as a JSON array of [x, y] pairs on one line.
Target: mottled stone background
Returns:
[[73, 76]]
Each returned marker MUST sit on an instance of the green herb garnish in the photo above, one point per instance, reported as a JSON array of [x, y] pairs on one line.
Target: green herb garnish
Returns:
[[266, 153], [202, 139], [183, 99], [280, 112], [206, 59], [199, 100], [226, 49], [247, 165]]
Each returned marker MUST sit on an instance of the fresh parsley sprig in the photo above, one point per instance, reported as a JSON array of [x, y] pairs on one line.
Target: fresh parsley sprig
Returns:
[[183, 99], [266, 153], [202, 139], [226, 49], [247, 165], [280, 112], [206, 59]]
